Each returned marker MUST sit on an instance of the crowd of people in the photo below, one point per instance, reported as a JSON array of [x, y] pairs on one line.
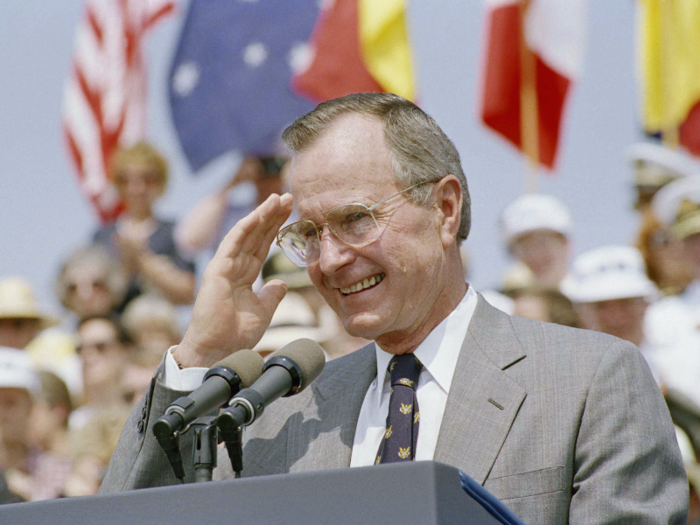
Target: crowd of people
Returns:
[[66, 391]]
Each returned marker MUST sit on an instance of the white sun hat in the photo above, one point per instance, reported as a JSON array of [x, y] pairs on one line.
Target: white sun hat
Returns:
[[533, 212], [677, 206], [658, 165], [607, 273], [17, 370]]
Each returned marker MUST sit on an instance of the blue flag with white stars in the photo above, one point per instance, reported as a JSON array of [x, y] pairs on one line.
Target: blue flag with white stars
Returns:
[[229, 84]]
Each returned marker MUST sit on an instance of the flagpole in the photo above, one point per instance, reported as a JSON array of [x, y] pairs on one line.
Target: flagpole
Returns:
[[669, 132], [529, 118]]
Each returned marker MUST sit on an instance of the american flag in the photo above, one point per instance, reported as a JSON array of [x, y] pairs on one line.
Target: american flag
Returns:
[[105, 95]]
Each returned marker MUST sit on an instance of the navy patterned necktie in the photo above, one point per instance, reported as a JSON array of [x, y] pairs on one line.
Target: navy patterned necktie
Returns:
[[401, 432]]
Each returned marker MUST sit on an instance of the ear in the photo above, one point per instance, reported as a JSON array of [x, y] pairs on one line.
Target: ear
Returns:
[[448, 194]]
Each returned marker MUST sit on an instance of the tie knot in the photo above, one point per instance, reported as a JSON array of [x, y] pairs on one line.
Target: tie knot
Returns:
[[404, 370]]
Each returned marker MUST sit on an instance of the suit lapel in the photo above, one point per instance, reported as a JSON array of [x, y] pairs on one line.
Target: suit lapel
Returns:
[[483, 401], [323, 437]]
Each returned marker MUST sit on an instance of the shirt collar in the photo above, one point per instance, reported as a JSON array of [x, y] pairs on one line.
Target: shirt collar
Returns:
[[440, 350]]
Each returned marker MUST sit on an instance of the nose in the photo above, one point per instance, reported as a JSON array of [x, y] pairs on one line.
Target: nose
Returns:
[[334, 253]]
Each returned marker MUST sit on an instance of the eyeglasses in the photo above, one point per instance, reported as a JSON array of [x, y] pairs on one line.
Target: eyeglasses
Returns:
[[96, 284], [352, 224], [100, 346]]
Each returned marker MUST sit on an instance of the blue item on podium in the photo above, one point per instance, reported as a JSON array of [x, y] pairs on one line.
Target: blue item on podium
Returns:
[[415, 493]]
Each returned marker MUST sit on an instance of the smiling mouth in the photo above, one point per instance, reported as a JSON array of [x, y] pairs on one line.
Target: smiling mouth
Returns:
[[369, 282]]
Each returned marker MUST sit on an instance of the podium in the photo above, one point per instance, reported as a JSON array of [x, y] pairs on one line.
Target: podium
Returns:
[[412, 493]]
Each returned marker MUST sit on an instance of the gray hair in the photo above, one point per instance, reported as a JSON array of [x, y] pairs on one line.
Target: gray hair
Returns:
[[420, 150]]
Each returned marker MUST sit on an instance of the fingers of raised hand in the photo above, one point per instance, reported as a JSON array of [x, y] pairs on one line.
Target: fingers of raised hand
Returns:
[[256, 231]]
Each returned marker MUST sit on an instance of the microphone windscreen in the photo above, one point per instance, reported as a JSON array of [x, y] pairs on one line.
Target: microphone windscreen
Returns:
[[308, 355], [246, 363]]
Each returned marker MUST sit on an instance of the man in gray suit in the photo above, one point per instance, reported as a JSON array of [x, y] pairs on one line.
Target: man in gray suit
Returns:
[[562, 425]]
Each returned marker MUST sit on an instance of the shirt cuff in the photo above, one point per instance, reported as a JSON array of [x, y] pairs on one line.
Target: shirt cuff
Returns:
[[183, 380]]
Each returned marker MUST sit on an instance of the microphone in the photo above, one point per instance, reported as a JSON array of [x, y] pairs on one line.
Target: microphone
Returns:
[[224, 380], [286, 373]]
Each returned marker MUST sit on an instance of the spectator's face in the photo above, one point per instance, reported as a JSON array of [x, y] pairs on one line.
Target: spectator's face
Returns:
[[623, 318], [139, 186], [45, 422], [691, 246], [351, 163], [154, 338], [103, 356], [541, 250], [18, 332], [87, 291], [668, 256], [15, 405]]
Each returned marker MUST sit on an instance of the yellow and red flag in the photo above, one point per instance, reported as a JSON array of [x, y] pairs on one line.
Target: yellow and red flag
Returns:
[[669, 67], [359, 46]]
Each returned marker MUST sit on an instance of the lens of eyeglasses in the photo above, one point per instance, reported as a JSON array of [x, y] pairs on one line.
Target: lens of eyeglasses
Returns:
[[353, 224]]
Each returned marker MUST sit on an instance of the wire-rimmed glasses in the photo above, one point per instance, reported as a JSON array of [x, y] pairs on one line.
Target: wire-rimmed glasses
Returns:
[[352, 224]]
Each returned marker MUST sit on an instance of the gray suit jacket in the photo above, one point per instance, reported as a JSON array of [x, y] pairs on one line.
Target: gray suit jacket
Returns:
[[562, 425]]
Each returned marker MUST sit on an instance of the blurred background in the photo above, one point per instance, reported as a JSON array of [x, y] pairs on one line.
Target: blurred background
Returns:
[[43, 216]]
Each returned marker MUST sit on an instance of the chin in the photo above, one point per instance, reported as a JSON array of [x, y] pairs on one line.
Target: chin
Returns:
[[364, 325]]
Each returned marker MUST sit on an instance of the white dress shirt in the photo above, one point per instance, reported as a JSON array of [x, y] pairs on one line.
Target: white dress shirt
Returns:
[[438, 352]]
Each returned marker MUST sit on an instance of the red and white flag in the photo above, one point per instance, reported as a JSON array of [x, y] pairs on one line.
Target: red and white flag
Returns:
[[105, 95], [554, 34]]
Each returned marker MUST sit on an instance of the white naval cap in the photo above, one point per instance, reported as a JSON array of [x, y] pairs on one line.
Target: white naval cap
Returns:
[[533, 212], [17, 370], [677, 206], [658, 165], [606, 273]]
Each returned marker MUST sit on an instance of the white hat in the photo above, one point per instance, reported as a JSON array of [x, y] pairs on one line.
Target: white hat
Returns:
[[17, 370], [657, 165], [678, 205], [292, 320], [534, 212], [610, 272]]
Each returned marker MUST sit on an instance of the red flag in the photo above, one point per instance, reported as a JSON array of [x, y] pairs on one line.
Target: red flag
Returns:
[[337, 67], [554, 35], [105, 95]]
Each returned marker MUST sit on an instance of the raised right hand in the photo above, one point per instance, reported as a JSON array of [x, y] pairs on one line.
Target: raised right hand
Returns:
[[227, 315]]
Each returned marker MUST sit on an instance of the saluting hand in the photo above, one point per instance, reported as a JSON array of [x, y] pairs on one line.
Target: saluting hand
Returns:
[[227, 315]]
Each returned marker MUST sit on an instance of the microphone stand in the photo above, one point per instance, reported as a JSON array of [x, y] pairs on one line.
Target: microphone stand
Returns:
[[206, 439], [231, 431]]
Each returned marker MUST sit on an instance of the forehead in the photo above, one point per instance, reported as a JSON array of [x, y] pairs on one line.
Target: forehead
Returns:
[[350, 161], [97, 329]]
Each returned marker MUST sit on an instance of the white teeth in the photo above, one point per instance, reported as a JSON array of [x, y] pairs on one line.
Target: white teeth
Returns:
[[364, 284]]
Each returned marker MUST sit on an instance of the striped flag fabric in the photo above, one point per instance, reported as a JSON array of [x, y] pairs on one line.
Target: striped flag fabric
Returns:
[[550, 34], [104, 102]]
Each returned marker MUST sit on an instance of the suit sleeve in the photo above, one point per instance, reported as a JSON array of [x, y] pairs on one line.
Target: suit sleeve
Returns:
[[627, 465], [138, 460]]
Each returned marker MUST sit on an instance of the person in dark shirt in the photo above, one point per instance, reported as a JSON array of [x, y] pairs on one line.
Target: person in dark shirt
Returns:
[[143, 242]]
